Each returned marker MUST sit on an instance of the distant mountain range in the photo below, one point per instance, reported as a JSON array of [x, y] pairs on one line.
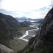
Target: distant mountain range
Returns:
[[21, 19]]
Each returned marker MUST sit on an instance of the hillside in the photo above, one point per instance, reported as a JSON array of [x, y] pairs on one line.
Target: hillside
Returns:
[[10, 31], [8, 28]]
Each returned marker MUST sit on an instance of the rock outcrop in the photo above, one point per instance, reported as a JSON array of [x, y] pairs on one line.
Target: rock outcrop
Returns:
[[4, 49], [43, 41]]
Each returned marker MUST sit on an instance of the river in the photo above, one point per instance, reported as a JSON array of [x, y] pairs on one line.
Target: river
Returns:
[[29, 34]]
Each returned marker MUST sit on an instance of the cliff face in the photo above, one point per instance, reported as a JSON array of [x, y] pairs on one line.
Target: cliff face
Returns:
[[43, 41], [8, 28]]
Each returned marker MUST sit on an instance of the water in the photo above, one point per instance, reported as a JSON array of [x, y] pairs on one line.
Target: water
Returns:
[[29, 34], [22, 37]]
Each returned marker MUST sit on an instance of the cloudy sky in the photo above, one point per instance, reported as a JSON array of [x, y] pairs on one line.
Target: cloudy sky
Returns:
[[27, 8]]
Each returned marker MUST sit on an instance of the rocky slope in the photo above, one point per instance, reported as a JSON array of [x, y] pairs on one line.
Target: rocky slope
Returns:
[[9, 34], [43, 41], [8, 28]]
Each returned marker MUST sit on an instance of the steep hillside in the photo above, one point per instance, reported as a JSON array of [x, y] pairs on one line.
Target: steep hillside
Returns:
[[8, 28]]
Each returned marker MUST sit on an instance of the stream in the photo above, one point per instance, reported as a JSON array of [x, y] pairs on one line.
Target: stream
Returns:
[[29, 34]]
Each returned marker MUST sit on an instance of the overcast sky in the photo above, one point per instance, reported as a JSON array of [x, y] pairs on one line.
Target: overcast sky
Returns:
[[27, 8]]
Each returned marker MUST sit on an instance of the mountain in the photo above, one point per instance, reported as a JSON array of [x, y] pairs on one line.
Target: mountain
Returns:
[[22, 19], [8, 28]]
